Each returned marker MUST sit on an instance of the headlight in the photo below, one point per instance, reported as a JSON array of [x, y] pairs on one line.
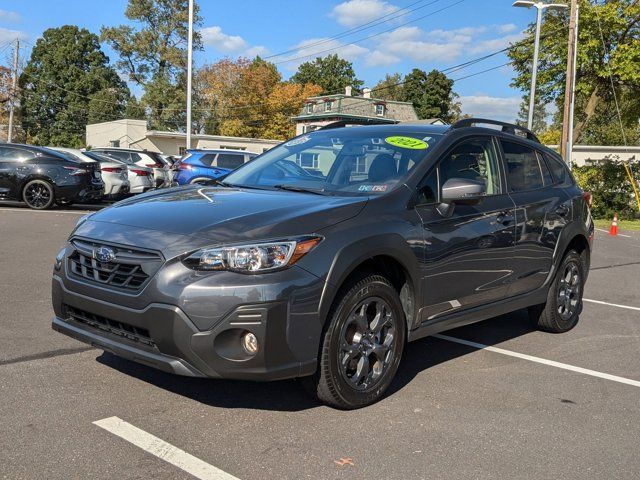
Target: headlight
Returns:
[[59, 258], [252, 258]]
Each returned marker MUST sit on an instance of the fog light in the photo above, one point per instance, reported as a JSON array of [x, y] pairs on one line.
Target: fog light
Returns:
[[250, 343]]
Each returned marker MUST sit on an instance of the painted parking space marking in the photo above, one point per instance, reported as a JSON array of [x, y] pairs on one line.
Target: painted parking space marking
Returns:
[[607, 232], [22, 210], [543, 361], [163, 450], [600, 302]]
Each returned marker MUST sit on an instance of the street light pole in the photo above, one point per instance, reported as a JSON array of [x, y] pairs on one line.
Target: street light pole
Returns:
[[540, 6], [189, 73], [14, 85]]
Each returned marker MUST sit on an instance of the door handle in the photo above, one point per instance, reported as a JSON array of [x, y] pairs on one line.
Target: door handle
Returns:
[[562, 210]]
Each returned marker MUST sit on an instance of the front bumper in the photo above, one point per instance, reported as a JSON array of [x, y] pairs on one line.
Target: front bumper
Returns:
[[288, 332]]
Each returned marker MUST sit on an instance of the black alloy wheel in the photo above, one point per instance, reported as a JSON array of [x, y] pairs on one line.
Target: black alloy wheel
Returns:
[[38, 194]]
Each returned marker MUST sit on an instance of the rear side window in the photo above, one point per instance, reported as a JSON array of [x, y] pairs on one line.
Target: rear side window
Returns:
[[8, 154], [229, 161], [524, 171], [207, 159], [558, 170]]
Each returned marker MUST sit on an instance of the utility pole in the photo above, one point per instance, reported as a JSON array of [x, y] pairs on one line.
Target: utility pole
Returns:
[[14, 84], [189, 72], [568, 90], [573, 90]]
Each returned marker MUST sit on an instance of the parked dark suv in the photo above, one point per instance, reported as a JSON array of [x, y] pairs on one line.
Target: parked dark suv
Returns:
[[41, 177], [277, 272]]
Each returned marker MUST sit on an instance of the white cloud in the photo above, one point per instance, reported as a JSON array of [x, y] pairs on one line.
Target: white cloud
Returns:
[[495, 44], [258, 50], [7, 35], [485, 106], [307, 50], [9, 17], [381, 59], [507, 27], [216, 38], [358, 12]]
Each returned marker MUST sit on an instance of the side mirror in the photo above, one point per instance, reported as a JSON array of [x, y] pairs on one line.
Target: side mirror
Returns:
[[462, 190]]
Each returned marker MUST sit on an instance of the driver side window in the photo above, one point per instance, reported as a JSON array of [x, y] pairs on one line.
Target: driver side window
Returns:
[[473, 159]]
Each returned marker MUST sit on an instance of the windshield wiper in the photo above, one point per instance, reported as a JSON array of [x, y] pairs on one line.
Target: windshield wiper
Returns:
[[295, 188]]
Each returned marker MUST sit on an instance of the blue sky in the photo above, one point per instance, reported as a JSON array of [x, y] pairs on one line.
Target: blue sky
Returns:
[[459, 31]]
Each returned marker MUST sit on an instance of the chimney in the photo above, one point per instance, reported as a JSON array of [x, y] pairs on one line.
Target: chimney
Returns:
[[347, 91], [366, 92]]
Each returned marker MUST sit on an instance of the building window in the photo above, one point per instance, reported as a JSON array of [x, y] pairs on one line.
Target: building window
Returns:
[[114, 143], [328, 105], [309, 108], [361, 164], [309, 128], [307, 160], [182, 150], [380, 109]]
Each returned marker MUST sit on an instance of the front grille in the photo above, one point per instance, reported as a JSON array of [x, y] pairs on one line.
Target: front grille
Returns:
[[135, 334], [129, 269]]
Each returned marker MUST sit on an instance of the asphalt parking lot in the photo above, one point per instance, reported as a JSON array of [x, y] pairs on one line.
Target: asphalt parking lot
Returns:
[[530, 405]]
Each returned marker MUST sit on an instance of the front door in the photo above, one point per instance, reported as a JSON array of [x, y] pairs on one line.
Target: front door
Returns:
[[469, 250]]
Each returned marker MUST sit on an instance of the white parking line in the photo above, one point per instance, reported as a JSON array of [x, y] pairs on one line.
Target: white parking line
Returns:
[[543, 361], [607, 232], [611, 304], [163, 450], [80, 212]]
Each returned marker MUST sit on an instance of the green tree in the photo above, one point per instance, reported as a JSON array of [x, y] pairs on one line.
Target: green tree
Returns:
[[332, 73], [134, 109], [432, 94], [154, 55], [389, 88], [619, 22], [539, 114], [66, 83]]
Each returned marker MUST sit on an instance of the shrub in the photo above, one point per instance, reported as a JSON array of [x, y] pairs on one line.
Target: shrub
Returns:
[[610, 187]]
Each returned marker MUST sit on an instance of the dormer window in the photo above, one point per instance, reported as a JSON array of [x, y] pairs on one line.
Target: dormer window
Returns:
[[380, 110], [309, 108], [328, 105]]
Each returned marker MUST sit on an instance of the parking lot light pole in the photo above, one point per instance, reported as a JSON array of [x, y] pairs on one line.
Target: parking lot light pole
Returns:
[[189, 72], [540, 6]]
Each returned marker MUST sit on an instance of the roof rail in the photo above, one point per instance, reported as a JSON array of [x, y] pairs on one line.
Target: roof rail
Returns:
[[506, 127], [357, 121]]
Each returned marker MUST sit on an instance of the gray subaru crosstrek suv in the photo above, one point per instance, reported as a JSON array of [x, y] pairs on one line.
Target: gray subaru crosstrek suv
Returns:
[[322, 257]]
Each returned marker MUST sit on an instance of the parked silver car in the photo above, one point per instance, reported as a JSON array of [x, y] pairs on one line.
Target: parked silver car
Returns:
[[114, 174], [142, 158], [140, 178]]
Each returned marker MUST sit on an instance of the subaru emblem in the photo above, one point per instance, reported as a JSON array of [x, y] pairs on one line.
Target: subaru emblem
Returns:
[[104, 254]]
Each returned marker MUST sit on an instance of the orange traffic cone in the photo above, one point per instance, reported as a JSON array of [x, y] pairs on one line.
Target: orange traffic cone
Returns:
[[613, 230]]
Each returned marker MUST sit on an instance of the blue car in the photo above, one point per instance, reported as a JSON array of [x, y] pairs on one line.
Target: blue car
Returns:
[[201, 165]]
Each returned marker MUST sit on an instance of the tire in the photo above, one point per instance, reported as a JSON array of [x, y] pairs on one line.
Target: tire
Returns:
[[359, 357], [38, 194], [561, 311]]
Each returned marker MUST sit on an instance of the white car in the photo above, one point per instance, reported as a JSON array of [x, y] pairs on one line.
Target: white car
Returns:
[[142, 158], [140, 178], [114, 174]]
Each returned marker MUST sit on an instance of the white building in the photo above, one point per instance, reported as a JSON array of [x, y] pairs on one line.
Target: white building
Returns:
[[129, 133], [594, 154]]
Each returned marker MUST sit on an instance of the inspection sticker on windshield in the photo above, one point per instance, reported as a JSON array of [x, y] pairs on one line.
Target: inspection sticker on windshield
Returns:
[[298, 141], [406, 142]]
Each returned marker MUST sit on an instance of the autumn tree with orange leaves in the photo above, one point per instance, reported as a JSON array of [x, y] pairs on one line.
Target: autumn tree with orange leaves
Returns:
[[247, 98]]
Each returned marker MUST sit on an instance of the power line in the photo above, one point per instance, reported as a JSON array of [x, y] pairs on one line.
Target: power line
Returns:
[[365, 26], [370, 36]]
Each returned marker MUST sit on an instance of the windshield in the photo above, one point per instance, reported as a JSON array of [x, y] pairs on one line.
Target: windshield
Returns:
[[345, 161]]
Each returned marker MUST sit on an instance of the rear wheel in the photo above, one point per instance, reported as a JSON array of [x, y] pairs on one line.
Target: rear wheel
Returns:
[[564, 301], [38, 194], [362, 345]]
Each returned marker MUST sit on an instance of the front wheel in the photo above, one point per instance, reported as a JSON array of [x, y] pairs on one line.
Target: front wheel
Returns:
[[564, 301], [38, 194], [362, 345]]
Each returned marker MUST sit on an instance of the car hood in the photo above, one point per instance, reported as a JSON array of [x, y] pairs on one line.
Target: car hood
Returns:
[[216, 215]]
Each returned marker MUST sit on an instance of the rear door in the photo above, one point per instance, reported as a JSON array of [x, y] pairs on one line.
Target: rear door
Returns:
[[229, 161], [12, 168], [469, 251], [542, 211]]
